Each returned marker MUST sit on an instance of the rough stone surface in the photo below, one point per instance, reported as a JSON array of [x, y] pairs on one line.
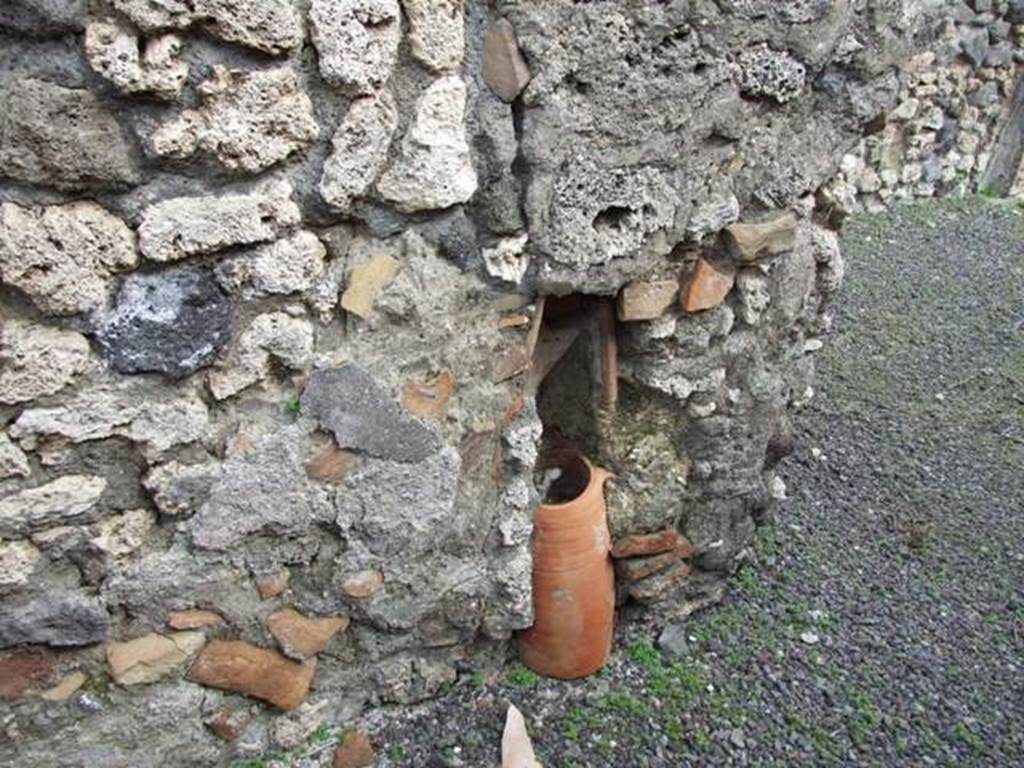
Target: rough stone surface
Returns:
[[363, 584], [63, 138], [60, 619], [13, 461], [122, 534], [43, 17], [179, 489], [193, 226], [375, 498], [330, 465], [264, 491], [122, 409], [434, 169], [291, 265], [301, 637], [771, 73], [256, 672], [505, 71], [356, 42], [38, 360], [275, 337], [271, 26], [508, 259], [362, 416], [359, 150], [151, 657], [18, 560], [67, 499], [172, 322], [247, 120], [64, 256], [115, 52], [436, 33]]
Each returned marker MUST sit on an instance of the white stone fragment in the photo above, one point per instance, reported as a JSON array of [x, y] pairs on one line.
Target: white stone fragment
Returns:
[[122, 408], [292, 264], [437, 32], [17, 562], [289, 340], [360, 150], [114, 52], [508, 259], [61, 501], [247, 120], [435, 169], [271, 26], [13, 461], [64, 256], [36, 360], [754, 296], [123, 534], [191, 226], [356, 41]]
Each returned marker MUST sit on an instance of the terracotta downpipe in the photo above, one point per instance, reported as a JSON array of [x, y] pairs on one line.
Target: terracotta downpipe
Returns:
[[573, 579]]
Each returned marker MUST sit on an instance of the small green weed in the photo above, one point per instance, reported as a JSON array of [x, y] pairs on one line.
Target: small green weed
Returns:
[[521, 677], [968, 737], [293, 405], [395, 753], [645, 654]]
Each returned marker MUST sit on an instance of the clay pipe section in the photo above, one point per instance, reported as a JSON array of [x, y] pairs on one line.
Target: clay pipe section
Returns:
[[573, 578]]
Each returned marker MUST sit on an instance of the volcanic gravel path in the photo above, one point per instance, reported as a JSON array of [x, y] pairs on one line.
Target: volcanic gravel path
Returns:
[[883, 620]]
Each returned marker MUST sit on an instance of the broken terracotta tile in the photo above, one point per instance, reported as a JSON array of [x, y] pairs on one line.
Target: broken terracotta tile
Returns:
[[636, 568], [363, 584], [331, 465], [21, 671], [747, 241], [272, 584], [63, 690], [514, 321], [651, 544], [148, 658], [505, 70], [653, 587], [430, 400], [194, 618], [354, 751], [705, 285], [301, 637], [366, 281], [232, 665], [227, 723], [646, 300]]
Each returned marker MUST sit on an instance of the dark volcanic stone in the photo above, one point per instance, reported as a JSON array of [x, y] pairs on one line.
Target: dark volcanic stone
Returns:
[[352, 405], [173, 322], [56, 619]]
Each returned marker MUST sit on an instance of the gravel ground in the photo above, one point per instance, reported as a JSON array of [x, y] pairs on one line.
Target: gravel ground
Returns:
[[883, 620]]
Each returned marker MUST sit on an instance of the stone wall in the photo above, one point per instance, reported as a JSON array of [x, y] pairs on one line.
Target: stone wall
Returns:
[[277, 282], [957, 126]]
